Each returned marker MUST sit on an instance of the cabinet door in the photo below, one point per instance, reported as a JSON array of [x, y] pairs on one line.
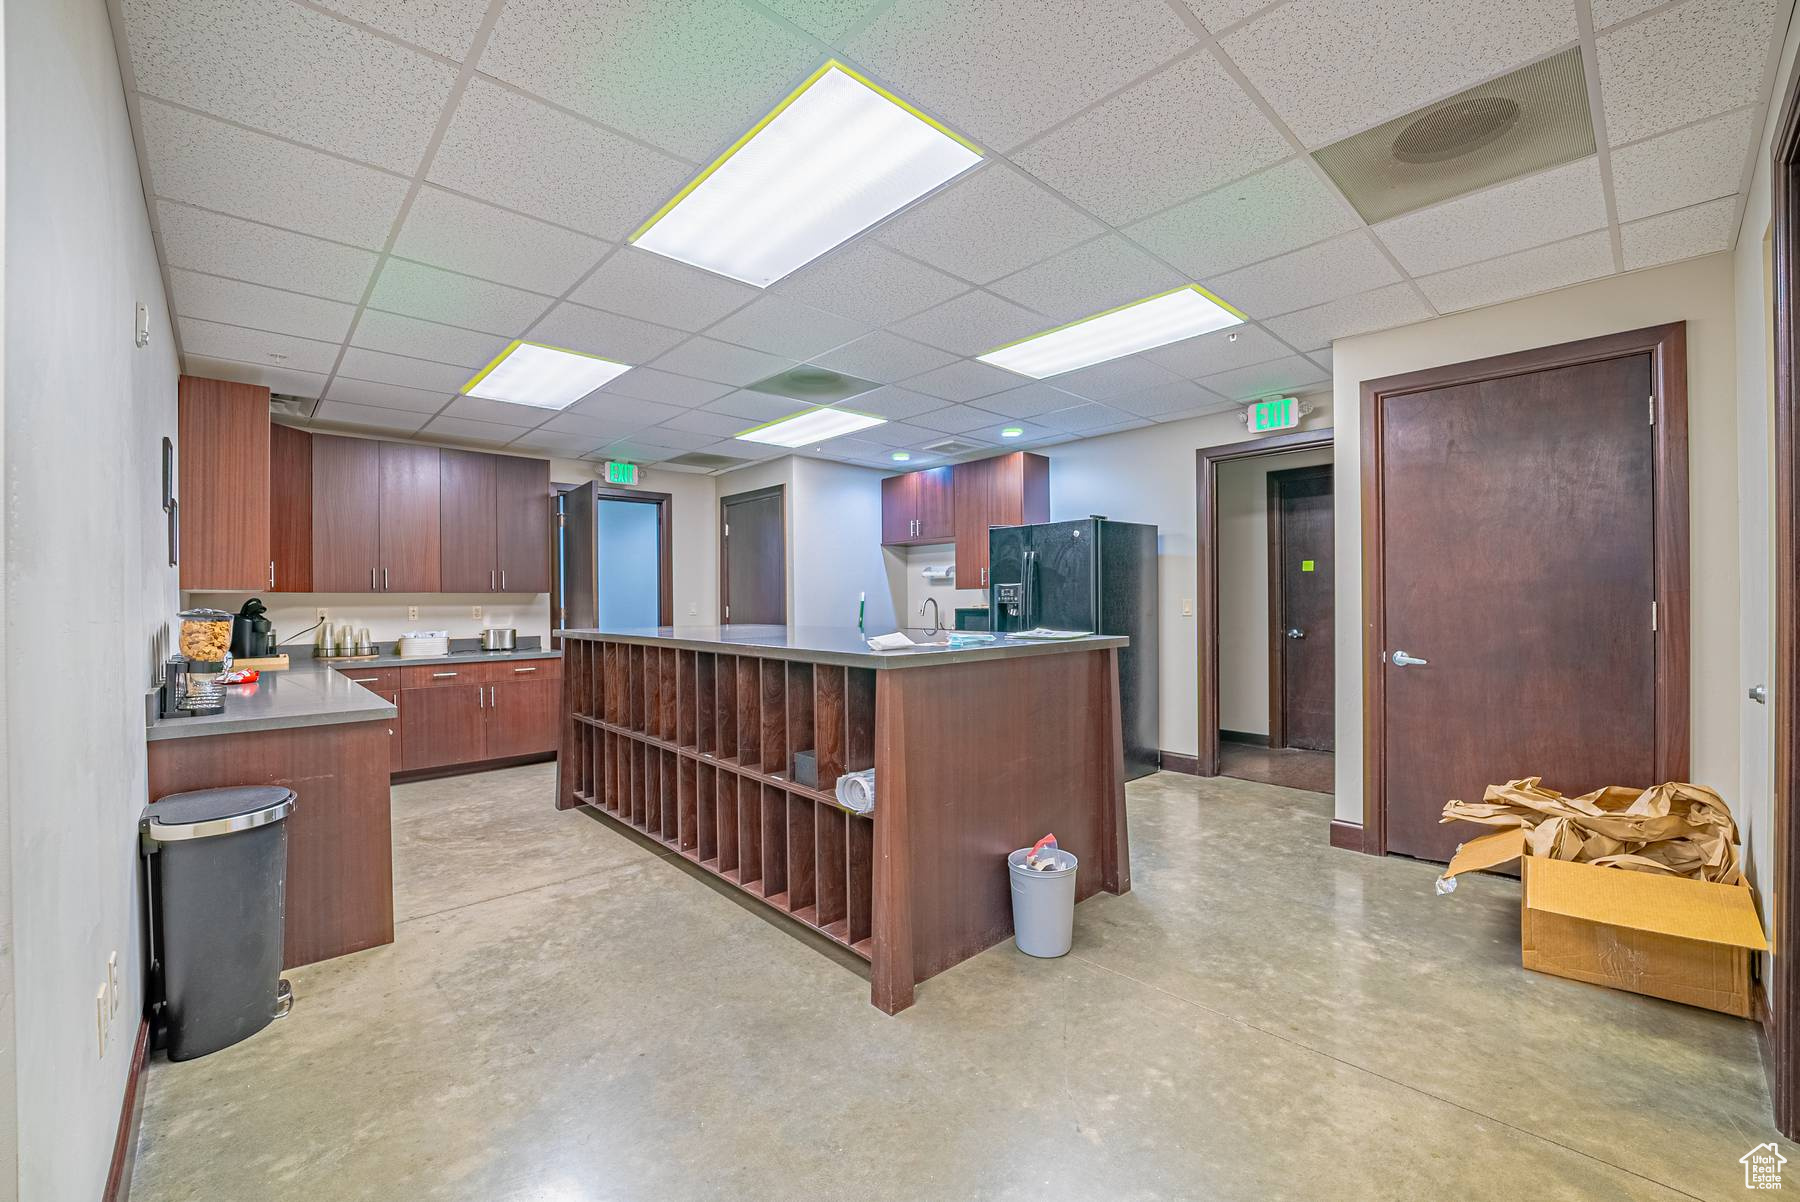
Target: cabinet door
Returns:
[[977, 498], [346, 509], [522, 499], [410, 561], [466, 521], [521, 717], [936, 505], [443, 726], [899, 509], [222, 464], [290, 511]]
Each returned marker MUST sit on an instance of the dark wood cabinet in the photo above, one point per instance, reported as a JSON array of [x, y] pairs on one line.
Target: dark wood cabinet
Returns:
[[899, 509], [522, 715], [1006, 490], [346, 507], [222, 457], [466, 511], [452, 714], [410, 552], [290, 511], [443, 726], [522, 523], [919, 507], [386, 683]]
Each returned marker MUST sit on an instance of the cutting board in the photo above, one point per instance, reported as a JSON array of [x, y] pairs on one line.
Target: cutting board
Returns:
[[264, 663]]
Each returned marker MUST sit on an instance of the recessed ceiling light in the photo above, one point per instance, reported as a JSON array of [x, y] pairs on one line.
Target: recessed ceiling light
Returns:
[[1151, 322], [835, 157], [548, 377], [901, 456], [814, 425], [1012, 432]]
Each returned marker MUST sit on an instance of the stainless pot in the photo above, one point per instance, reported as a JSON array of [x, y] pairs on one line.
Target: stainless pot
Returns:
[[499, 638]]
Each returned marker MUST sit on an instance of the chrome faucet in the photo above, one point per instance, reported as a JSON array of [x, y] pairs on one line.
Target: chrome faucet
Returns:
[[937, 619]]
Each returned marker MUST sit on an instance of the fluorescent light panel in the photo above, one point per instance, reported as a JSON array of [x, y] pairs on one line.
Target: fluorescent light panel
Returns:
[[548, 377], [815, 425], [1155, 321], [834, 158]]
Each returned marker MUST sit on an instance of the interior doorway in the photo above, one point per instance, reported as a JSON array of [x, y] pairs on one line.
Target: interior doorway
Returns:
[[753, 558], [615, 565], [1302, 638]]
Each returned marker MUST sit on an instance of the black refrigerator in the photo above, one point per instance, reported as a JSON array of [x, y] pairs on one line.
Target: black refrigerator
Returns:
[[1091, 574]]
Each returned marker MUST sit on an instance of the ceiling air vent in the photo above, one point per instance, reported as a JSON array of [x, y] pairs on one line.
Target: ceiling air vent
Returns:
[[296, 407], [701, 459], [817, 385], [1523, 122], [953, 446]]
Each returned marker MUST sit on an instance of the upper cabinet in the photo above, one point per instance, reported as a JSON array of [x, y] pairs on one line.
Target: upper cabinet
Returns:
[[410, 552], [522, 515], [346, 508], [1007, 490], [919, 507], [223, 468], [495, 511], [290, 510]]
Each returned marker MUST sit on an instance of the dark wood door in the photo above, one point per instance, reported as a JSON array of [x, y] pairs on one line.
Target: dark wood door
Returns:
[[753, 555], [977, 499], [410, 559], [522, 716], [290, 510], [899, 509], [1301, 635], [936, 505], [522, 523], [346, 505], [1518, 561], [222, 461], [581, 573], [444, 725], [468, 547]]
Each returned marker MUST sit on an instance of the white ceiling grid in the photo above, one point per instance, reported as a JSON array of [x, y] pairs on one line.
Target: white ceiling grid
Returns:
[[364, 201]]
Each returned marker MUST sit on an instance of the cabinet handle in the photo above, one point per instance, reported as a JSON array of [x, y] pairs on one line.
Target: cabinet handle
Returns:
[[490, 580], [491, 700], [503, 580], [364, 679], [371, 580], [480, 698], [271, 575], [443, 674], [524, 669], [384, 580]]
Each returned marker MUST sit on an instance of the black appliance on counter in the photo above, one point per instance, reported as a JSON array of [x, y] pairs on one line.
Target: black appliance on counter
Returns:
[[252, 634], [1095, 575]]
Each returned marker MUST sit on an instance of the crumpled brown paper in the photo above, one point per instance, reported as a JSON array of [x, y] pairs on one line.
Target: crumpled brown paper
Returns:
[[1677, 829]]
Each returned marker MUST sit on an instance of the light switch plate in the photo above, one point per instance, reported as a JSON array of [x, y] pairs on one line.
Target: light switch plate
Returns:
[[1187, 607]]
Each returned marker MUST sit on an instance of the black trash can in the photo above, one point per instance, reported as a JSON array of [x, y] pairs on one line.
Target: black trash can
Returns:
[[217, 872]]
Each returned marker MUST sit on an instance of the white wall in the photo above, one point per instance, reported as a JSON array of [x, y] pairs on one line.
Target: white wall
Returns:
[[385, 613], [88, 595], [1698, 291], [694, 523], [906, 566]]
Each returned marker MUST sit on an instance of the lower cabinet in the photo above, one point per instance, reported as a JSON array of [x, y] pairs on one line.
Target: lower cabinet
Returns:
[[386, 682], [443, 725], [465, 714]]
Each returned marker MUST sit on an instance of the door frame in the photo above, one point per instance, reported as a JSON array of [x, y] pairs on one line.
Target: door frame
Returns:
[[779, 492], [1277, 643], [1667, 348], [665, 580], [1206, 573]]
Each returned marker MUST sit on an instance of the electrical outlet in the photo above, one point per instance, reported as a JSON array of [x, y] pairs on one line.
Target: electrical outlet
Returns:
[[100, 1017], [477, 614], [693, 608], [112, 984], [1187, 607], [324, 614], [412, 613]]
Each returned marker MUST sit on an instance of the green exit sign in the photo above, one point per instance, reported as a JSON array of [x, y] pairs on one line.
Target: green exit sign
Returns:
[[1282, 413], [621, 473]]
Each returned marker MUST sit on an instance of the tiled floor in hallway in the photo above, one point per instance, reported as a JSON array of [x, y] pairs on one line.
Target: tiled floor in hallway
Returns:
[[566, 1015]]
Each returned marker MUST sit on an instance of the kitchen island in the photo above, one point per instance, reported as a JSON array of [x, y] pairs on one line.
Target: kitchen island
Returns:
[[726, 744]]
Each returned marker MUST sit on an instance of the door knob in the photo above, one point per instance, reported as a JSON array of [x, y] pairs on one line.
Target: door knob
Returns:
[[1401, 659], [1294, 632], [1760, 694]]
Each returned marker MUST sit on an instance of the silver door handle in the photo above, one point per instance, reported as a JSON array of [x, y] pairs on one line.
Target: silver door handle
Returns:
[[490, 580], [384, 580], [524, 669], [503, 580], [271, 575], [1760, 694], [480, 698], [371, 580], [491, 700], [1401, 659], [1294, 632], [443, 674]]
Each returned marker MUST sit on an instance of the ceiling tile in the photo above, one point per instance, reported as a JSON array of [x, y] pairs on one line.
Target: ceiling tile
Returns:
[[753, 408], [1089, 279], [1667, 237], [293, 72], [261, 254], [681, 440], [1003, 71], [634, 452], [960, 419], [1546, 207], [231, 170], [458, 234], [1322, 272], [1185, 130], [870, 283], [1218, 351], [973, 323], [722, 425], [899, 434], [513, 151], [654, 288], [367, 417], [1278, 210], [649, 384], [1086, 417], [252, 305], [1217, 15], [884, 357], [445, 27], [1395, 305], [893, 403], [400, 335], [275, 379], [827, 20], [780, 326], [1319, 63], [1584, 257], [560, 443], [965, 380], [415, 290], [499, 412], [386, 396], [462, 429], [604, 406], [987, 224], [585, 425], [621, 339], [1030, 401], [218, 341], [1177, 396], [1611, 12], [1115, 378], [1682, 168], [1279, 375], [399, 369], [686, 75], [1690, 61], [722, 362]]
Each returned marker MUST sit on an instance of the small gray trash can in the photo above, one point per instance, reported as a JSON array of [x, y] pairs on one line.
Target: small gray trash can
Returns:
[[1043, 904], [217, 871]]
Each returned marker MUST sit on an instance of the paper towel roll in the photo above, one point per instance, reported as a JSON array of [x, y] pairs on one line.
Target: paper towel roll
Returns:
[[856, 791]]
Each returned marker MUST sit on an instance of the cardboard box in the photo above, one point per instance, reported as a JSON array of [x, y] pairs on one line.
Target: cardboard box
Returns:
[[1664, 936]]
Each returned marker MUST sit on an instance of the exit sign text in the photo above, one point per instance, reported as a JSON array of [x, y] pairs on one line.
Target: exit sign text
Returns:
[[1282, 413], [621, 473]]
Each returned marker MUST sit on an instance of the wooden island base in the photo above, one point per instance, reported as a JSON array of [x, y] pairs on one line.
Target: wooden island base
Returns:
[[691, 740]]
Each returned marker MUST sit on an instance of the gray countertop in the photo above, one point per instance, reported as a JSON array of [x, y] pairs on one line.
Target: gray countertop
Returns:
[[838, 644], [310, 693], [410, 661]]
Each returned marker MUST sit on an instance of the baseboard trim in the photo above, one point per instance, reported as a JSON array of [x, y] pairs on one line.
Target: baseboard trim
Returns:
[[1174, 761], [443, 770], [1347, 835], [1243, 736], [131, 1114]]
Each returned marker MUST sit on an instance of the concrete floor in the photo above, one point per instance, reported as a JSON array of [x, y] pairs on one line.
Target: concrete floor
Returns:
[[1286, 766], [567, 1016]]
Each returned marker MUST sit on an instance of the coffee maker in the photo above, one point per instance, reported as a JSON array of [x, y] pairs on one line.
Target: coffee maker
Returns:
[[252, 634]]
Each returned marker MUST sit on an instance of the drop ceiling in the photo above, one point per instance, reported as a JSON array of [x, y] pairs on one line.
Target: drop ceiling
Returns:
[[363, 201]]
